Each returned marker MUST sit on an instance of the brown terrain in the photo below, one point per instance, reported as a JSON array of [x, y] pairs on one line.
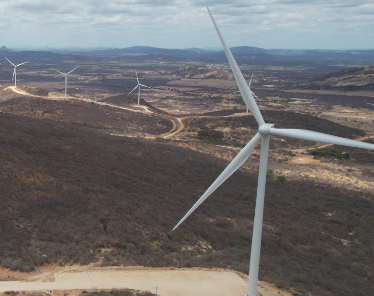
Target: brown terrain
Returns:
[[95, 180]]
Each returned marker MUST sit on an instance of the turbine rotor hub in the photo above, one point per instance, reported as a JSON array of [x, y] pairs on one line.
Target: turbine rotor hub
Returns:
[[264, 129]]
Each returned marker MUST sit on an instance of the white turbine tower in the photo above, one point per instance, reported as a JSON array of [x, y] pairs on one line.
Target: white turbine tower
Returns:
[[15, 71], [263, 135], [66, 77], [138, 86]]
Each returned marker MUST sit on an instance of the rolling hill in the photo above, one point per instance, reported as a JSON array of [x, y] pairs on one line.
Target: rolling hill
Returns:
[[354, 78], [71, 195]]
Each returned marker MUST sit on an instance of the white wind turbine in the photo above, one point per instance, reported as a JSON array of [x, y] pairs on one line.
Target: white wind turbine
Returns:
[[263, 135], [249, 86], [15, 71], [66, 77], [138, 86]]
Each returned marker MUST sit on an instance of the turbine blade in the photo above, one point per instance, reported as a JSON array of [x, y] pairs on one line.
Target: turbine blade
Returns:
[[319, 137], [10, 62], [14, 73], [143, 85], [255, 96], [72, 70], [235, 164], [133, 89], [137, 76], [22, 63], [58, 71], [242, 84], [249, 84]]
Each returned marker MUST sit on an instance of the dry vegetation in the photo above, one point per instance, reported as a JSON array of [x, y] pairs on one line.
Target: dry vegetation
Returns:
[[107, 119], [72, 194], [238, 130]]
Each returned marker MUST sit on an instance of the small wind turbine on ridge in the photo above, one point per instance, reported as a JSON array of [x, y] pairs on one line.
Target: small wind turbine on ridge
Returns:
[[138, 86], [66, 77], [265, 130], [15, 71]]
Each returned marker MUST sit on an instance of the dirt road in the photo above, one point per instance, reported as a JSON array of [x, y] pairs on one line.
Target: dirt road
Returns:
[[19, 91], [178, 125], [178, 282], [176, 122]]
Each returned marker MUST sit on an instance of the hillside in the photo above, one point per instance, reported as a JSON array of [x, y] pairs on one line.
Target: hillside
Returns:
[[72, 195], [104, 118], [356, 78], [200, 72], [237, 131]]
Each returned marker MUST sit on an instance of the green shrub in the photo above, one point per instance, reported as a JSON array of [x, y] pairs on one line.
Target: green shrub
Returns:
[[332, 153], [280, 178], [269, 173]]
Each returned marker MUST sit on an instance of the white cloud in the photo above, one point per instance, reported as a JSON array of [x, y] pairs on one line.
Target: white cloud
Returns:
[[177, 23]]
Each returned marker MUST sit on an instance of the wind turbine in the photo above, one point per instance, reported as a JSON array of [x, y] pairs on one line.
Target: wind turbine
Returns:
[[15, 71], [66, 77], [138, 86], [249, 85], [263, 135]]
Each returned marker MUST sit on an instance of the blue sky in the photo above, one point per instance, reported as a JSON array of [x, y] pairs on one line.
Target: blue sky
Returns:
[[290, 24]]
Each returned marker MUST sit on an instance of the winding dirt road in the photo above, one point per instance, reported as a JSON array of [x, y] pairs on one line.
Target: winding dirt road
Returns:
[[178, 125], [176, 122]]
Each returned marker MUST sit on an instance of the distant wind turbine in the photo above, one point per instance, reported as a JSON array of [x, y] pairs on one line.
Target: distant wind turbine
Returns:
[[15, 71], [66, 77], [138, 86], [249, 85], [263, 135]]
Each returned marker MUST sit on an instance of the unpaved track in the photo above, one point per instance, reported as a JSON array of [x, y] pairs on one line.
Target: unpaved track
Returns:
[[19, 91], [176, 122], [169, 282], [178, 126]]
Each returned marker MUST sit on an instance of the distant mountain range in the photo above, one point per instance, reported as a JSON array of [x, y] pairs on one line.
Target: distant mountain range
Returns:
[[243, 55]]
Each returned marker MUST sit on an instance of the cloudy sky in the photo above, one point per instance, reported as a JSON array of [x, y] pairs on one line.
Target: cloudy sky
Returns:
[[291, 24]]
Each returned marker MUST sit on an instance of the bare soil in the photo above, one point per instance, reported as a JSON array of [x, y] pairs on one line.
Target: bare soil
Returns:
[[169, 282]]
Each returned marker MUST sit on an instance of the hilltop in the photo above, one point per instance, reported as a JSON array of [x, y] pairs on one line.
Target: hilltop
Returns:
[[202, 72], [347, 79], [5, 49], [355, 78]]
